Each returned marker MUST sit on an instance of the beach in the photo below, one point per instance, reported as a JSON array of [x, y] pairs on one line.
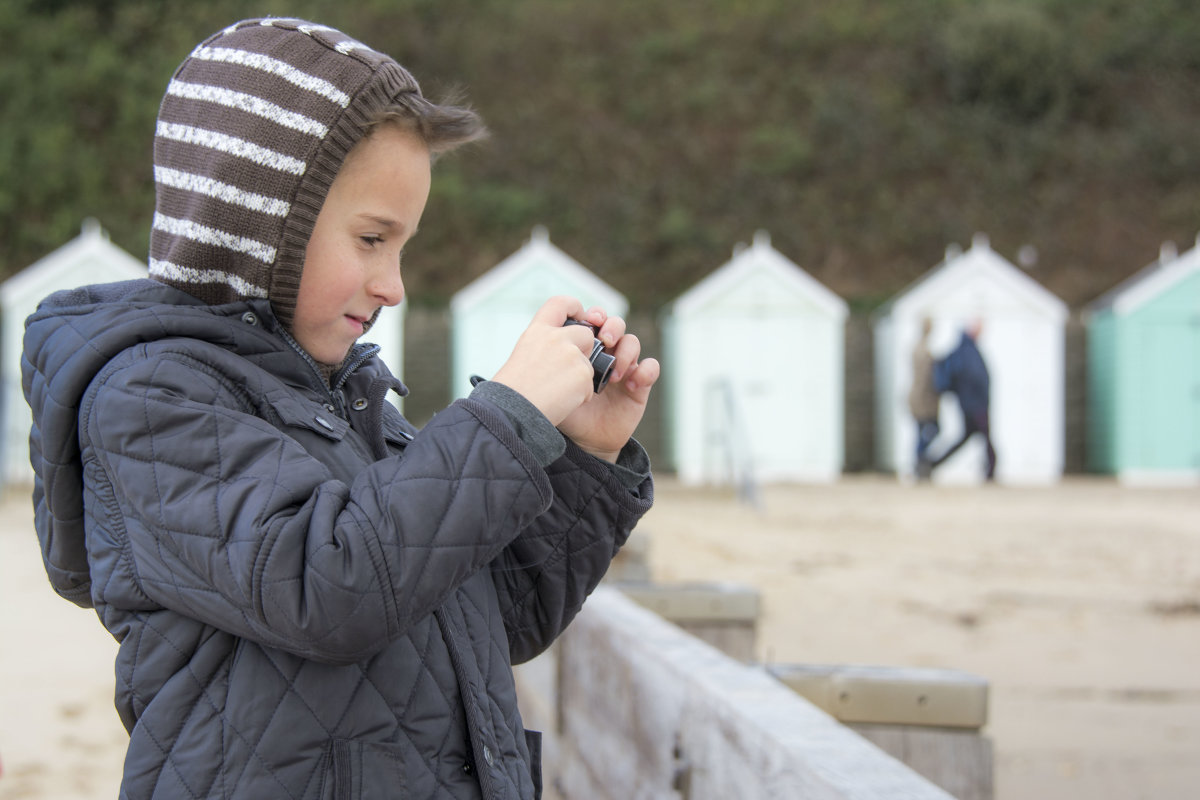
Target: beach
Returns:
[[60, 738], [1078, 603]]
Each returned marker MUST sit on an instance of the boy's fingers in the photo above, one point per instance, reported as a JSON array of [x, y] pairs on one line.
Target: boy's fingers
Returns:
[[595, 316], [642, 376], [628, 349], [611, 331]]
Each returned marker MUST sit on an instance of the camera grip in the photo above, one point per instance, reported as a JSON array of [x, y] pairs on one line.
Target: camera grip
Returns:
[[602, 362]]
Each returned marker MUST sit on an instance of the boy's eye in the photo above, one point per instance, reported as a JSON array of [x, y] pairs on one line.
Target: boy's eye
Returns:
[[371, 240]]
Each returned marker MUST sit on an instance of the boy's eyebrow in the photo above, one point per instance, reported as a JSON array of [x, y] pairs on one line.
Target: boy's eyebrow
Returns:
[[385, 222]]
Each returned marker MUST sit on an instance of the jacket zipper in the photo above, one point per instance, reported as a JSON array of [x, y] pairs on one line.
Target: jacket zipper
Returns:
[[359, 354]]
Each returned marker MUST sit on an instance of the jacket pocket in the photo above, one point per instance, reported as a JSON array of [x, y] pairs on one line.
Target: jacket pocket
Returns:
[[295, 412], [396, 431], [533, 740], [363, 771]]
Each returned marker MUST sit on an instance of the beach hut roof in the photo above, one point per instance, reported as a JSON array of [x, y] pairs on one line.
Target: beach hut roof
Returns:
[[538, 250], [979, 260], [91, 247], [761, 256], [1150, 281]]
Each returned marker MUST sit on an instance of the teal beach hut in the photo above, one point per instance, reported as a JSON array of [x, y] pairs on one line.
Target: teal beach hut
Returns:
[[1144, 374]]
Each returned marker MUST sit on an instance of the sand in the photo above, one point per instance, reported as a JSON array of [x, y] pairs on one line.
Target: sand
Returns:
[[1080, 604], [60, 738]]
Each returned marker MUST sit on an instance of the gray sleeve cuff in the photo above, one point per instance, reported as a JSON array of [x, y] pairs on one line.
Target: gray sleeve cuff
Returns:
[[633, 465], [531, 425]]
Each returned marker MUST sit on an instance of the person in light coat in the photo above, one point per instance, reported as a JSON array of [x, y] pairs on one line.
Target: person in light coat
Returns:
[[923, 399]]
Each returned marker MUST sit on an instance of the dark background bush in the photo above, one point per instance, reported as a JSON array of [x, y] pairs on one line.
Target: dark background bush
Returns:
[[650, 137]]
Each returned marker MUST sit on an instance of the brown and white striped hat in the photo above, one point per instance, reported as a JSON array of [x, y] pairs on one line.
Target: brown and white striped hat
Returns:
[[252, 131]]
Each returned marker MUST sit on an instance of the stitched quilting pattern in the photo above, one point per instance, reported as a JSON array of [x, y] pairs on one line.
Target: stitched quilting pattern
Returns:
[[268, 623]]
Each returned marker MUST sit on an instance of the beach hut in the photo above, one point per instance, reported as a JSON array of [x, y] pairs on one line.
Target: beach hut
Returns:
[[1144, 374], [88, 258], [754, 374], [1022, 341], [490, 313]]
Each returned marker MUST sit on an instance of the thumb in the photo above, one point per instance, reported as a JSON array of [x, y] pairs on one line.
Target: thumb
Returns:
[[557, 310]]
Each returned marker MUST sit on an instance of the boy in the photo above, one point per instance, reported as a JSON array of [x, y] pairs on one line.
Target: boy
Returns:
[[312, 598]]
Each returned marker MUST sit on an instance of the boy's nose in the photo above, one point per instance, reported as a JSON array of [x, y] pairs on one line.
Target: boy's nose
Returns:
[[387, 288]]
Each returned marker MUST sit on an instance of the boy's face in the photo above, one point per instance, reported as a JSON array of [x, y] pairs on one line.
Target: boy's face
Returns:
[[352, 264]]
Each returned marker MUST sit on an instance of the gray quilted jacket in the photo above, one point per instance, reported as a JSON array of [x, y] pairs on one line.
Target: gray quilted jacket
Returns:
[[312, 598]]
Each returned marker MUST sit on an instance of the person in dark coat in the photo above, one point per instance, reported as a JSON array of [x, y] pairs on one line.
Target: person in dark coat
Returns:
[[313, 598], [964, 372]]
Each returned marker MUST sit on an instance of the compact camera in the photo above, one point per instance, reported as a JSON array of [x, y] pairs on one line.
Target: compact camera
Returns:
[[602, 362]]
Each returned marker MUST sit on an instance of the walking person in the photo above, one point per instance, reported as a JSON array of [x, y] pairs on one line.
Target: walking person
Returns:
[[964, 372]]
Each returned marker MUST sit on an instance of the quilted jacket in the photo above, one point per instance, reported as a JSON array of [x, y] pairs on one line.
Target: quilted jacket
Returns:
[[312, 598]]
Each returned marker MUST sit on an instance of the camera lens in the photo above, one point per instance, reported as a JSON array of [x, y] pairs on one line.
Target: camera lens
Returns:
[[602, 362]]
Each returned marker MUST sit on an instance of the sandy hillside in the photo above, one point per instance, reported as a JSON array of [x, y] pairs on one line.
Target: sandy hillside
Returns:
[[1080, 605]]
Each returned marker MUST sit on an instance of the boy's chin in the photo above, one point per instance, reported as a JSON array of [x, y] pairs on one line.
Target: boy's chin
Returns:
[[331, 356]]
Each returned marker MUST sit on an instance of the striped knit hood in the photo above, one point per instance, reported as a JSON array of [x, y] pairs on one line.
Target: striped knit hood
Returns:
[[252, 131]]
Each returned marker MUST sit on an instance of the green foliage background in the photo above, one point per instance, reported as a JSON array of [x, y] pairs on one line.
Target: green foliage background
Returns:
[[650, 136]]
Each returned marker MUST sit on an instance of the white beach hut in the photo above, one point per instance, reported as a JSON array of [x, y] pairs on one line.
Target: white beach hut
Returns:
[[1022, 342], [86, 259], [491, 312], [754, 373]]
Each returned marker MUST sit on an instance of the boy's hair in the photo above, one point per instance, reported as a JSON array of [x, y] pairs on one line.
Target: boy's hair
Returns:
[[253, 128], [442, 127]]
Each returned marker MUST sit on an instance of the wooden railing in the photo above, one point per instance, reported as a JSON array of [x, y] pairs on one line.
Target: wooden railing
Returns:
[[632, 706]]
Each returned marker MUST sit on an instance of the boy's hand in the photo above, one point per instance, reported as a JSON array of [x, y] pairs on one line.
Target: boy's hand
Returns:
[[550, 368], [603, 424], [549, 365]]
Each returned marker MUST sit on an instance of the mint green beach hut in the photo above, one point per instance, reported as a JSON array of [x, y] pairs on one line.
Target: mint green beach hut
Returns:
[[488, 314], [1144, 374]]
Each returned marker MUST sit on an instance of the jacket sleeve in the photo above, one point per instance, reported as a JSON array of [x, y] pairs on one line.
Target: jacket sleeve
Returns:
[[943, 374], [220, 516], [546, 573]]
